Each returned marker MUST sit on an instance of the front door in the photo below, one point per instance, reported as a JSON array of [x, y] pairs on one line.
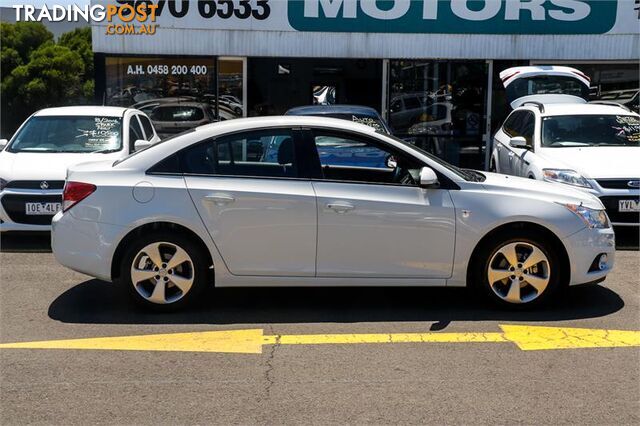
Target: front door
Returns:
[[373, 220], [260, 216]]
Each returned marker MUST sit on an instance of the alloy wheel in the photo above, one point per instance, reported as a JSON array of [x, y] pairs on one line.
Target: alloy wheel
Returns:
[[519, 272], [162, 273]]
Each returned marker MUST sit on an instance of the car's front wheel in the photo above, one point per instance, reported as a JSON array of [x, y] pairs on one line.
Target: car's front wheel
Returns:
[[518, 271], [164, 272]]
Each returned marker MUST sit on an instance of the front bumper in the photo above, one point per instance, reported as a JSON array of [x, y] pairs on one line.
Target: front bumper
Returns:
[[86, 247], [12, 213], [611, 192], [583, 248]]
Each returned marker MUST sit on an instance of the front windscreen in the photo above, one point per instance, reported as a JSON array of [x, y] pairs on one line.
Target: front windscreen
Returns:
[[546, 85], [82, 134], [590, 130]]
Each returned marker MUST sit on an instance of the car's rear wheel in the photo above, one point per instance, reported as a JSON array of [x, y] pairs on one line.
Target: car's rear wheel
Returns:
[[519, 271], [164, 272]]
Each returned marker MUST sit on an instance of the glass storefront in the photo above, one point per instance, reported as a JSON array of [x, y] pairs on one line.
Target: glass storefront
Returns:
[[614, 82], [176, 92], [440, 106]]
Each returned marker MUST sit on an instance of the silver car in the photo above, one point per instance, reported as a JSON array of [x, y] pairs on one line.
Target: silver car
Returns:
[[202, 209]]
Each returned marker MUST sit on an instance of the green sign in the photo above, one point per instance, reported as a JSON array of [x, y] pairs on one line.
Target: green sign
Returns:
[[454, 16]]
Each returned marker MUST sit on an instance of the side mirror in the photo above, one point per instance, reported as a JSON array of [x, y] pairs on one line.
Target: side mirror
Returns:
[[428, 177], [141, 144], [519, 142], [3, 143]]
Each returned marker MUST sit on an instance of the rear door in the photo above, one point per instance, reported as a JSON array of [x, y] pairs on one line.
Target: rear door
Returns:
[[260, 213]]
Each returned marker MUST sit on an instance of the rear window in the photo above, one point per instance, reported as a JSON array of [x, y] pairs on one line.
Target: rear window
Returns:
[[546, 84], [367, 120], [177, 113]]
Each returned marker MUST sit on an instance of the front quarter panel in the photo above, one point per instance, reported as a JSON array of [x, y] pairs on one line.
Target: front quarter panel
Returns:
[[479, 211]]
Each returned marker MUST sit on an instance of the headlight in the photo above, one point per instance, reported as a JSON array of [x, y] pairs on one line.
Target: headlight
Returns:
[[591, 217], [570, 177], [3, 183]]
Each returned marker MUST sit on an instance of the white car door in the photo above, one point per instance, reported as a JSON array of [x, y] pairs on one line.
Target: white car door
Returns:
[[371, 226], [261, 217]]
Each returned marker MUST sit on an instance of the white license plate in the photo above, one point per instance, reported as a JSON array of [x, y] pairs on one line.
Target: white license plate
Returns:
[[45, 209], [628, 206]]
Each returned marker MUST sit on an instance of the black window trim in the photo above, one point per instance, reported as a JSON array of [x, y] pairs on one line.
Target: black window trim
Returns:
[[297, 139], [445, 182]]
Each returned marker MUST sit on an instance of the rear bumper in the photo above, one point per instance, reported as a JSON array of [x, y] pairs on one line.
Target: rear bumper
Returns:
[[583, 248], [85, 247]]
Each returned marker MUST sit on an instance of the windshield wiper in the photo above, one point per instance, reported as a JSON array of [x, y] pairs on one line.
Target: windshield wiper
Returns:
[[474, 175], [105, 151]]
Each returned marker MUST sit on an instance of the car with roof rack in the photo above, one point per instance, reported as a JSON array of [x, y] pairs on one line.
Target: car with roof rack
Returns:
[[555, 134]]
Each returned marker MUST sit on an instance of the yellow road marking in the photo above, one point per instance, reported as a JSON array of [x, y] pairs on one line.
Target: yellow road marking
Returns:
[[251, 341]]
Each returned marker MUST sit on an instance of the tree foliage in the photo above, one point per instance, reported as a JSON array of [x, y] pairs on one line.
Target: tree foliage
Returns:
[[37, 72]]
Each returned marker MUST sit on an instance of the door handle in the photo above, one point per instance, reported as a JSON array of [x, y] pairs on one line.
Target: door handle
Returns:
[[220, 199], [340, 207]]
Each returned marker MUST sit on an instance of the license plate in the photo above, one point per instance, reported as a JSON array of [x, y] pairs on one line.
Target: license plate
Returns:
[[629, 206], [44, 209]]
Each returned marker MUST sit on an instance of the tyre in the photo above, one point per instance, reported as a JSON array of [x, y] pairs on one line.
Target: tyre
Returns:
[[164, 272], [518, 271]]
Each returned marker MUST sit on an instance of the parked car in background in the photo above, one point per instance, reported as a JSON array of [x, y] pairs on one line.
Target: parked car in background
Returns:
[[561, 138], [172, 118], [33, 165], [356, 113], [192, 212], [335, 151], [148, 105]]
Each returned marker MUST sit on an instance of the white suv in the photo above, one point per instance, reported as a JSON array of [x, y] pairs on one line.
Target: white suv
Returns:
[[33, 165], [561, 138]]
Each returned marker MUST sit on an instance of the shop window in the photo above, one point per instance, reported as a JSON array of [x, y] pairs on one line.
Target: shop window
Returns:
[[182, 87], [441, 107]]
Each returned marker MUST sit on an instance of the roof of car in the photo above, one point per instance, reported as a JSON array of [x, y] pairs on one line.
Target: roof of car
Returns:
[[581, 109], [91, 110], [332, 109]]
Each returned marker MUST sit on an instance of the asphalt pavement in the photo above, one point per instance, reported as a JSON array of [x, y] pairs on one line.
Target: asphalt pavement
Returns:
[[467, 378]]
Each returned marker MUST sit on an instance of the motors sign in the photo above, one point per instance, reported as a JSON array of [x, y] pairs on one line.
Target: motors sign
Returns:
[[454, 16]]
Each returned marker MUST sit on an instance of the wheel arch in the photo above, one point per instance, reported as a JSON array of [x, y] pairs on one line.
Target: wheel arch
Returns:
[[521, 226], [154, 227]]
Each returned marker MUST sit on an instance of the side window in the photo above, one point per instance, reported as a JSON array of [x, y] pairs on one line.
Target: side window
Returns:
[[146, 125], [528, 127], [512, 124], [262, 153], [135, 132], [344, 157]]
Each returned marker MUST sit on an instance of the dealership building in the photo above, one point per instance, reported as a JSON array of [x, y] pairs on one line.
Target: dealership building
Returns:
[[429, 67]]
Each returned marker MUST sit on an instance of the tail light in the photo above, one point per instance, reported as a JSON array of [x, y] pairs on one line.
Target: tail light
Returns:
[[74, 192]]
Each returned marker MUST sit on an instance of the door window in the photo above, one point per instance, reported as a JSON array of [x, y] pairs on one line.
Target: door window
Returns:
[[528, 127], [146, 125], [346, 157], [512, 126], [135, 132], [262, 153]]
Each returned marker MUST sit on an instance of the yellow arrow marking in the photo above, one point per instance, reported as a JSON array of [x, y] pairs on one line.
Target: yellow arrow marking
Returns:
[[526, 338]]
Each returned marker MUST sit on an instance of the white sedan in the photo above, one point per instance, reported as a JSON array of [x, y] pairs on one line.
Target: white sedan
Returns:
[[261, 202], [34, 163]]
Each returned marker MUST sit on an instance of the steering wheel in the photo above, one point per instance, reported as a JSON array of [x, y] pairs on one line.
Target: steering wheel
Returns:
[[402, 176]]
